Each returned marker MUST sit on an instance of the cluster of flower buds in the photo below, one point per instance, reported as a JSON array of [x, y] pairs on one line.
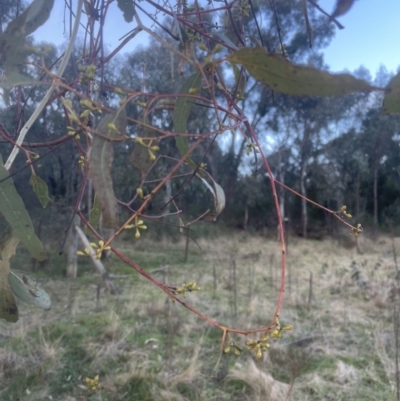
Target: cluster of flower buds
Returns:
[[261, 345], [185, 288], [93, 384], [137, 225], [150, 148], [98, 248], [232, 347], [343, 212]]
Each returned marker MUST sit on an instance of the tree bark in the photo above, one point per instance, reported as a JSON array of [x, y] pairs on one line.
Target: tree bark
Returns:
[[246, 216], [168, 196], [71, 246], [232, 168], [376, 196], [304, 217], [358, 194]]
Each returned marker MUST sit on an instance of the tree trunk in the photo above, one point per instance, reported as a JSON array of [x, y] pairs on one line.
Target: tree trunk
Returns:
[[304, 217], [168, 196], [232, 168], [246, 216], [376, 196], [71, 246], [358, 195]]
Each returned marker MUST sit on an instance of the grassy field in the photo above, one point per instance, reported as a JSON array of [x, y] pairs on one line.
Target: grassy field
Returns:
[[146, 348]]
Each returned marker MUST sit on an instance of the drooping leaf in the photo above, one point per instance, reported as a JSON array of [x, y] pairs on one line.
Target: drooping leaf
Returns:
[[5, 233], [218, 196], [391, 101], [8, 306], [283, 76], [14, 211], [140, 157], [341, 8], [183, 107], [26, 289], [224, 38], [128, 8], [95, 213], [13, 49], [111, 127], [40, 189]]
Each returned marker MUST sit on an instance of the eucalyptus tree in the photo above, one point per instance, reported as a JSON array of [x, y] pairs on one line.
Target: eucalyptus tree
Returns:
[[201, 53]]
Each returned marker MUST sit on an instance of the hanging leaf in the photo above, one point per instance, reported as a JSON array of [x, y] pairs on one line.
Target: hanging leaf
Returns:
[[13, 46], [391, 101], [128, 8], [341, 8], [183, 107], [140, 156], [8, 306], [111, 127], [283, 76], [26, 289], [224, 38], [5, 233], [40, 189], [218, 195], [13, 210], [95, 213]]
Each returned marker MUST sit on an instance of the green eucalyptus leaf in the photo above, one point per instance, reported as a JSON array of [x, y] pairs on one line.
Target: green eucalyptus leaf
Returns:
[[5, 233], [342, 7], [283, 76], [13, 44], [183, 107], [218, 196], [95, 213], [26, 289], [8, 306], [40, 189], [224, 38], [140, 156], [14, 211], [100, 163], [128, 8]]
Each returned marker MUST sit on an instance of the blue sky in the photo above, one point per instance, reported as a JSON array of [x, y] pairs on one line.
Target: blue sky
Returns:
[[371, 36]]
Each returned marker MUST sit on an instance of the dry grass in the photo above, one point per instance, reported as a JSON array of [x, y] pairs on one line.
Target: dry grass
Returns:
[[145, 347]]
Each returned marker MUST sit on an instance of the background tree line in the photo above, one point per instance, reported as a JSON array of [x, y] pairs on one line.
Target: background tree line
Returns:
[[335, 151]]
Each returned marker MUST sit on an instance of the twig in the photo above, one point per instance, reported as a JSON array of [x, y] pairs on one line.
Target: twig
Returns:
[[47, 96], [338, 24], [97, 263], [278, 27], [163, 42], [308, 25], [257, 26]]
